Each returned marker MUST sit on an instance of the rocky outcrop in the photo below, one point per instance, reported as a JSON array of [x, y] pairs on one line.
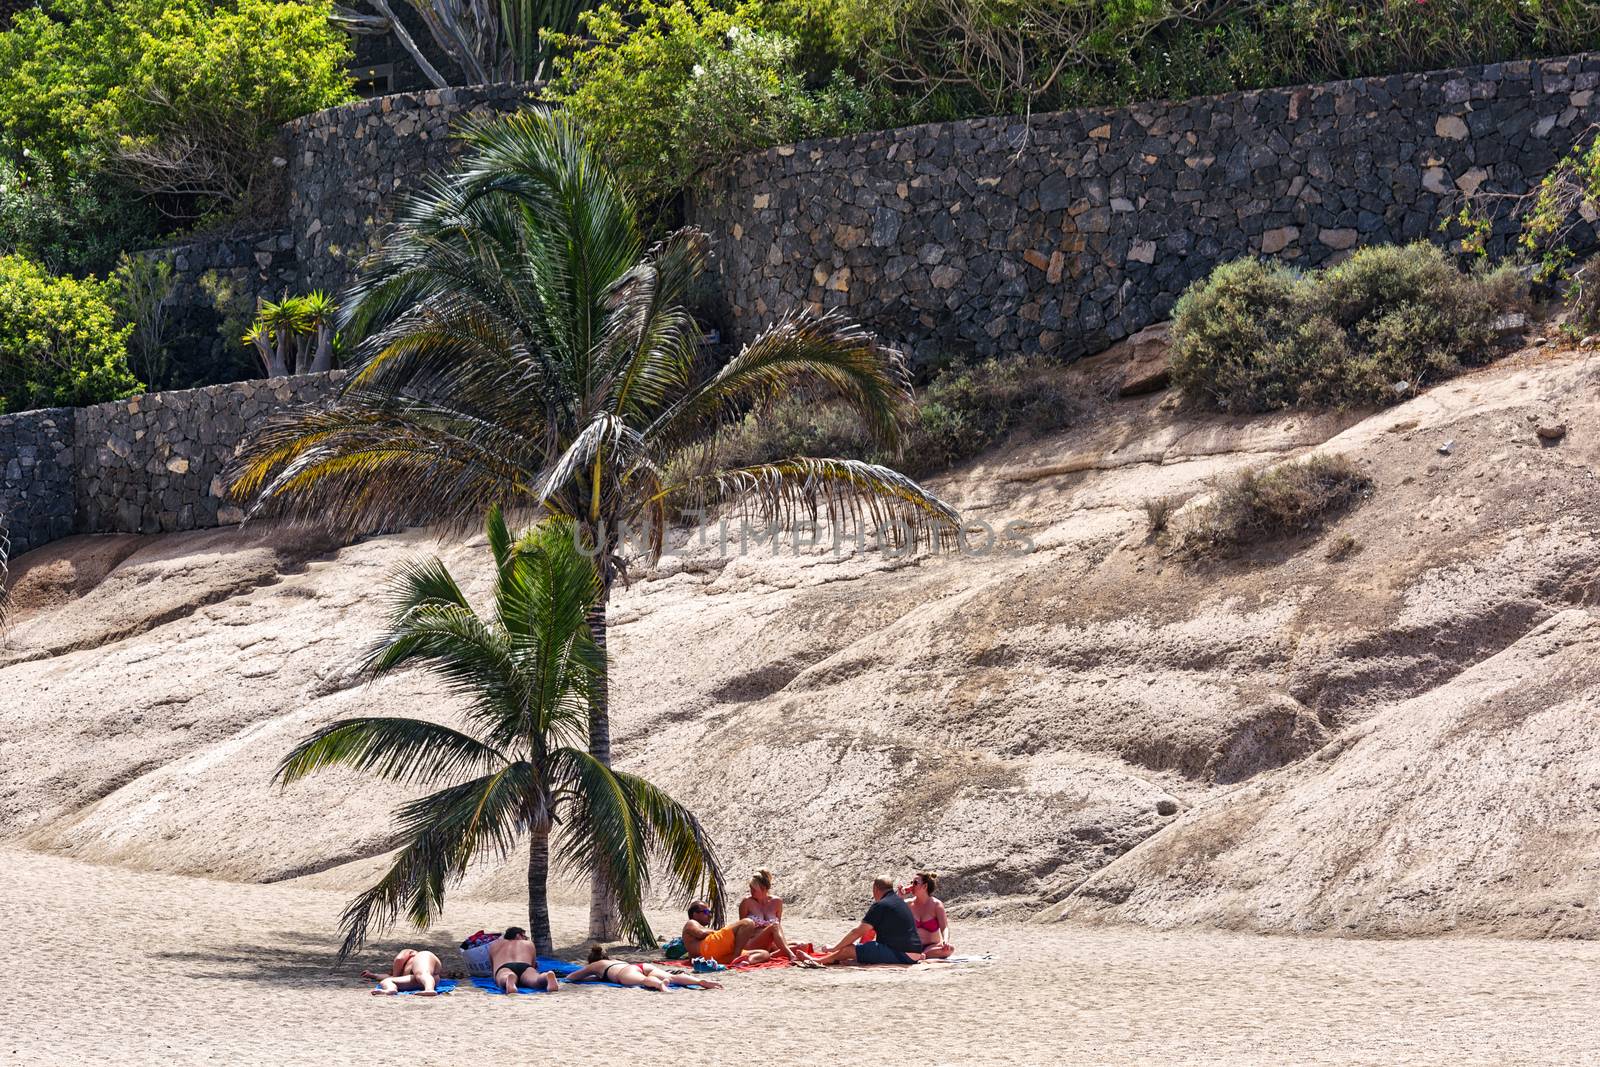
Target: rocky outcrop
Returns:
[[1292, 739]]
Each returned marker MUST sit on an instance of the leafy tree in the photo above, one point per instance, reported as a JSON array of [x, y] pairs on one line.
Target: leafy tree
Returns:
[[179, 98], [518, 768], [672, 88], [523, 347], [60, 344]]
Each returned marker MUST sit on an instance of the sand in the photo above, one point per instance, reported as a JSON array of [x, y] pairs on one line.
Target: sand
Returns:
[[188, 971]]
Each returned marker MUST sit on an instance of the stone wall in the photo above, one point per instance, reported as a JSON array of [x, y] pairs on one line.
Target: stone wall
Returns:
[[1066, 233], [250, 266], [36, 477], [153, 463], [347, 164]]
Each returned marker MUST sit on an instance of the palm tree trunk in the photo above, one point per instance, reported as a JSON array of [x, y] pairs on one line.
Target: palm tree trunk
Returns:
[[538, 898], [605, 920]]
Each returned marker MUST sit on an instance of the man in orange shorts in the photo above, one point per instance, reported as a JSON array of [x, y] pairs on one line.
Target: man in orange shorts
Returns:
[[734, 940]]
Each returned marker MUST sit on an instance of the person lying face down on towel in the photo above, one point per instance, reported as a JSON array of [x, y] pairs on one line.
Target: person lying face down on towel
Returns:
[[514, 964], [602, 968], [890, 922], [754, 941], [413, 970]]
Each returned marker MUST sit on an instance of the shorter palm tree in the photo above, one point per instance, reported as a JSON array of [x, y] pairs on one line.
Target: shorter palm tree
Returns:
[[530, 675]]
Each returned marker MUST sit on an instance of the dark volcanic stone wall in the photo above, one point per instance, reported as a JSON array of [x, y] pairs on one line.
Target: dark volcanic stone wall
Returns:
[[154, 463], [251, 265], [36, 472], [1064, 234], [347, 164]]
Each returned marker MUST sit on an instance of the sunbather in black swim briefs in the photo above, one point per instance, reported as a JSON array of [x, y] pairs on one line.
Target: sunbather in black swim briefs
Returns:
[[514, 968]]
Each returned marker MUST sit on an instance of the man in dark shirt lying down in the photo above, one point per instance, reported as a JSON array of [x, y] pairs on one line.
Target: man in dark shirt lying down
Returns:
[[890, 922]]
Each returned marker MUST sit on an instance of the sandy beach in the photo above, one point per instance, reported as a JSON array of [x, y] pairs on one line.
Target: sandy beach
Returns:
[[142, 968]]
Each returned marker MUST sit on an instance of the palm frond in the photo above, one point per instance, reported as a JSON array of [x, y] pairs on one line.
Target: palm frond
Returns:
[[847, 492], [477, 661], [801, 347], [601, 831], [652, 339], [400, 750], [422, 581], [370, 463], [678, 842], [442, 833]]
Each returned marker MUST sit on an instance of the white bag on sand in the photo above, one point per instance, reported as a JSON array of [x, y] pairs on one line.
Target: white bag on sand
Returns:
[[478, 959]]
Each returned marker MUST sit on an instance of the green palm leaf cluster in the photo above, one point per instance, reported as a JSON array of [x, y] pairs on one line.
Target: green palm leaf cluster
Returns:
[[518, 768], [523, 346]]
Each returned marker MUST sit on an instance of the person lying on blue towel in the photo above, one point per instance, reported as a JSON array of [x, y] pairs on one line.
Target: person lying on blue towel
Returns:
[[514, 964], [413, 971], [601, 968]]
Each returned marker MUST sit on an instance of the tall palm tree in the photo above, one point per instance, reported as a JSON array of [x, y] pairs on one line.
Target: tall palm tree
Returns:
[[523, 346], [520, 768]]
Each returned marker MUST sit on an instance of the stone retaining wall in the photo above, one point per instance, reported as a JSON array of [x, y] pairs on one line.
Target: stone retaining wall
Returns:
[[347, 164], [153, 463], [250, 266], [36, 477], [1063, 234]]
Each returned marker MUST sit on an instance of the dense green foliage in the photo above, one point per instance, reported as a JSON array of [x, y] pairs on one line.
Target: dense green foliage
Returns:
[[172, 103], [1258, 336], [1253, 507], [514, 766], [60, 344], [638, 68], [672, 87]]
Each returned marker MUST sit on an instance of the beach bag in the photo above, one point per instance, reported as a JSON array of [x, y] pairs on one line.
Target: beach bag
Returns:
[[674, 949], [477, 956]]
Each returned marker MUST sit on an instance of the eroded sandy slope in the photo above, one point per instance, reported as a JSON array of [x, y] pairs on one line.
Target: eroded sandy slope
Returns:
[[1019, 720]]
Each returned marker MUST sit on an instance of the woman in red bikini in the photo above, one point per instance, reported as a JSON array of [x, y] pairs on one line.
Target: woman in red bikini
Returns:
[[933, 926]]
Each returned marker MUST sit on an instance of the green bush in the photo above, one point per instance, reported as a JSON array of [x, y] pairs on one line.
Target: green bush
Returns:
[[77, 224], [180, 99], [60, 343], [1257, 336], [1255, 507], [673, 87], [969, 407]]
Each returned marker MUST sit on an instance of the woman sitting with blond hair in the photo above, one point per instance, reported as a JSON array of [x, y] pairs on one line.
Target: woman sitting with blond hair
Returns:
[[761, 906], [933, 926]]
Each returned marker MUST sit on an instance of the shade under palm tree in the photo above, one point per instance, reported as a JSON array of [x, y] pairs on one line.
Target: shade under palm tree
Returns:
[[518, 769], [523, 347]]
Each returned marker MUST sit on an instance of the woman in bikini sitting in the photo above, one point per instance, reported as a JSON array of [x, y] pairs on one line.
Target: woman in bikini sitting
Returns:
[[643, 975], [933, 926], [761, 906]]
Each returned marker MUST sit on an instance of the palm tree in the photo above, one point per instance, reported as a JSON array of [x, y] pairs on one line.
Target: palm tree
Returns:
[[523, 346], [520, 767]]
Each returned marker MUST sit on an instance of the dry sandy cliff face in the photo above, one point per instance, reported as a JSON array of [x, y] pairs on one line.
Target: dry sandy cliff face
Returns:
[[1393, 741]]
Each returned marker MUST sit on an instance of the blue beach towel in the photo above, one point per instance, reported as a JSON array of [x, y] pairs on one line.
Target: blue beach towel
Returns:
[[444, 985], [561, 967], [488, 986]]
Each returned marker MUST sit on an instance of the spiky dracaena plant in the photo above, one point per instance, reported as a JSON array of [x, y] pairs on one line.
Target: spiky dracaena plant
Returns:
[[519, 767], [522, 346]]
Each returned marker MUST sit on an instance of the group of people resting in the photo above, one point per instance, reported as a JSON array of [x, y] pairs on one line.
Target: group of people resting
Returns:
[[905, 924], [513, 964]]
